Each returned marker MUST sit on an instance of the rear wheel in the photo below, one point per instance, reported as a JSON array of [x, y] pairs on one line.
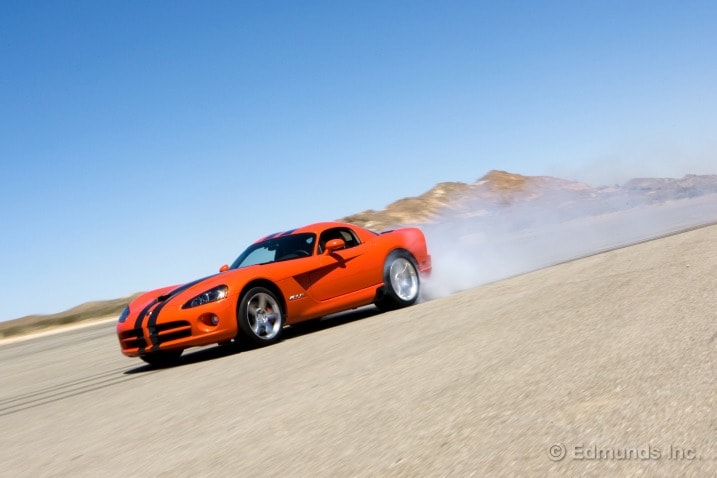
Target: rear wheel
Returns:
[[162, 358], [260, 316], [401, 283]]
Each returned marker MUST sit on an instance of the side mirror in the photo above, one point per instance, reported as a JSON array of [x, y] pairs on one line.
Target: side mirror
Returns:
[[224, 268], [334, 245]]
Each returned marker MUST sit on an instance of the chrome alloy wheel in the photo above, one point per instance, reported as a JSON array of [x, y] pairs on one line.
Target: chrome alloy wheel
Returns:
[[264, 316], [404, 279]]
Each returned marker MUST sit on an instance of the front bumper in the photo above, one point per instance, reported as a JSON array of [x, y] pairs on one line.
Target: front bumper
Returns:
[[177, 329]]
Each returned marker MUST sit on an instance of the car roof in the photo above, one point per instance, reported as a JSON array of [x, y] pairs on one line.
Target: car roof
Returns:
[[316, 228]]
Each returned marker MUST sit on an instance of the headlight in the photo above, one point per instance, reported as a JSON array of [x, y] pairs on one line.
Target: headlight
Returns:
[[123, 316], [212, 295]]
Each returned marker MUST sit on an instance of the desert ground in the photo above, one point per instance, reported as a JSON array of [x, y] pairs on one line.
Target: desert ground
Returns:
[[602, 366]]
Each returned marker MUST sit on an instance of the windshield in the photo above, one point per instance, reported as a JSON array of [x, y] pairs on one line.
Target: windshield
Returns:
[[275, 249]]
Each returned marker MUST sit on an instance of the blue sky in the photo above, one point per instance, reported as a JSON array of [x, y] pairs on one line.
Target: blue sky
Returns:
[[147, 143]]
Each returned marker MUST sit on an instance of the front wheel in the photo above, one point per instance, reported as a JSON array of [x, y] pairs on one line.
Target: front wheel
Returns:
[[260, 316], [401, 283]]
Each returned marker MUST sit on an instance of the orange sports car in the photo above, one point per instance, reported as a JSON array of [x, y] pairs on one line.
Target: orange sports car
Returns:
[[284, 278]]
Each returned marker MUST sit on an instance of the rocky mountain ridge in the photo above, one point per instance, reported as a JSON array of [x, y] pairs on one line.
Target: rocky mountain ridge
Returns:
[[498, 190]]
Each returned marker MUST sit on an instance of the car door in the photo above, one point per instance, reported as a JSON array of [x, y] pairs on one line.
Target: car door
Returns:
[[343, 271]]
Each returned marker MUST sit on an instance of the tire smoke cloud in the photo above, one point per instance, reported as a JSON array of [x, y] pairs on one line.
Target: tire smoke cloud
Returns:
[[488, 240]]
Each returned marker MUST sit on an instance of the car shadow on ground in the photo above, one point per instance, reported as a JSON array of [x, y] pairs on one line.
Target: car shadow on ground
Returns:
[[215, 352]]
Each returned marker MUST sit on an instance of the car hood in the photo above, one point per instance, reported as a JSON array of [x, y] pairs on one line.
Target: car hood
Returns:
[[164, 294], [236, 279]]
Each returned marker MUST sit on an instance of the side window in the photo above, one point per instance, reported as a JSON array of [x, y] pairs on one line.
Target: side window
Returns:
[[294, 247], [348, 236]]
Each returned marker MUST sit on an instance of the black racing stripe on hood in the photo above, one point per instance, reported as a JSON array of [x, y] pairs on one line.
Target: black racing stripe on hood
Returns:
[[143, 312], [140, 319], [152, 322]]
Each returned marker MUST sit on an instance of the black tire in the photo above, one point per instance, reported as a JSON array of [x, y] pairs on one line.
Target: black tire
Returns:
[[401, 281], [260, 316], [162, 358]]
